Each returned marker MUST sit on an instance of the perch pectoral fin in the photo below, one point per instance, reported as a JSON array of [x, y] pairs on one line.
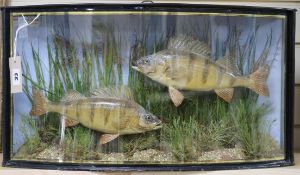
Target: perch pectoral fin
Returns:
[[105, 138], [70, 122], [225, 94], [176, 96]]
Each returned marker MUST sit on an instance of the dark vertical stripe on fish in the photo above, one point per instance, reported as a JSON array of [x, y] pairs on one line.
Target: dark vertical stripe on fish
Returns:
[[192, 58], [123, 118], [220, 76], [78, 104], [92, 115], [106, 116], [205, 71]]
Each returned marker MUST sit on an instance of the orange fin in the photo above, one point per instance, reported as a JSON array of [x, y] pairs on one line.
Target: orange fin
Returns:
[[176, 96], [39, 103], [225, 94], [105, 138], [70, 122], [259, 78]]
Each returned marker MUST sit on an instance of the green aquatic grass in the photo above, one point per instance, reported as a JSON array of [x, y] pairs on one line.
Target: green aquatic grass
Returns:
[[252, 130], [137, 142], [33, 141], [80, 144], [189, 139], [204, 122]]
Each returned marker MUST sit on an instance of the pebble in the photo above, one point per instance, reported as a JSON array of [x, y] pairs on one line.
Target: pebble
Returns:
[[51, 153], [222, 155], [114, 157], [151, 155]]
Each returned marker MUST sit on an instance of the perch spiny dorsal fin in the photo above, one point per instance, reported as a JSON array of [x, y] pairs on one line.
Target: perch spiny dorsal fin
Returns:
[[189, 44], [228, 64], [120, 92], [72, 95]]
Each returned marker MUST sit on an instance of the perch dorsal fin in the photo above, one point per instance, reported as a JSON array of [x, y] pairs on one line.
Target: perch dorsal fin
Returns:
[[72, 95], [228, 64], [121, 92], [189, 44]]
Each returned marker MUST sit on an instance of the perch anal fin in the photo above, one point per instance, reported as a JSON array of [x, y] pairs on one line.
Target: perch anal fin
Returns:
[[176, 96], [225, 94], [105, 138]]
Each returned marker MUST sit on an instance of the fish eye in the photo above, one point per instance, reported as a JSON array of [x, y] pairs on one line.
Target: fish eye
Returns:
[[146, 61], [148, 117]]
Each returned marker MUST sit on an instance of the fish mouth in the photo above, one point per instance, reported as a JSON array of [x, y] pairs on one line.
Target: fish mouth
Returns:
[[136, 68], [158, 125]]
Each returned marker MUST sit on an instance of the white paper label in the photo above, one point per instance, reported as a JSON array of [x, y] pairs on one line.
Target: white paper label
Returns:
[[15, 74], [16, 80]]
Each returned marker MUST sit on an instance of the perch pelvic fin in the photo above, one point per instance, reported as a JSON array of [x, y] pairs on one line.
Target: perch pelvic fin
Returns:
[[176, 96], [70, 122], [105, 138]]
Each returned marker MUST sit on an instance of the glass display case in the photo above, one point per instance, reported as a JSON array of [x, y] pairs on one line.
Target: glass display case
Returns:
[[147, 87]]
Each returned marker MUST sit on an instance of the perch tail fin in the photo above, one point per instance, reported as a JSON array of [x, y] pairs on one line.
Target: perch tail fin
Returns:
[[39, 103], [259, 78]]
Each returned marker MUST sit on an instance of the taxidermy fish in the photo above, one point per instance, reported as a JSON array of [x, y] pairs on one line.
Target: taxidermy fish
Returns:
[[186, 65], [109, 110]]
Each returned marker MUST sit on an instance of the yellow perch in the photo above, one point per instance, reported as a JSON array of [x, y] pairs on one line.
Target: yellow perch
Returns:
[[185, 65], [108, 110]]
